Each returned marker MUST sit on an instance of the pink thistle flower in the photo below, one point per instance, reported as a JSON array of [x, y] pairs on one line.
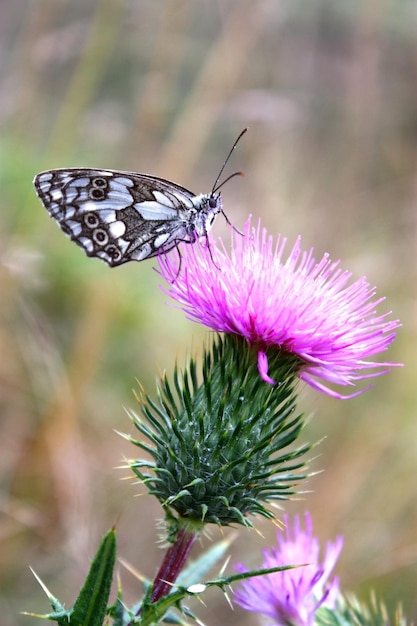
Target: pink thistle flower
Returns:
[[295, 304], [292, 597]]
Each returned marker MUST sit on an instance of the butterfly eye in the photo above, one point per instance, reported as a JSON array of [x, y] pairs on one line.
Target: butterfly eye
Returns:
[[212, 202]]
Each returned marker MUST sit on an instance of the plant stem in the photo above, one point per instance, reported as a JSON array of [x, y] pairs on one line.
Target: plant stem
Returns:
[[173, 563]]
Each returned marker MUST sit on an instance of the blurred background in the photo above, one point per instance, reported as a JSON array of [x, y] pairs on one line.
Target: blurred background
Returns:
[[328, 90]]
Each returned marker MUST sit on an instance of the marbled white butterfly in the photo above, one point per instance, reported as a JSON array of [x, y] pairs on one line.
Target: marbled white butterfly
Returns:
[[123, 216]]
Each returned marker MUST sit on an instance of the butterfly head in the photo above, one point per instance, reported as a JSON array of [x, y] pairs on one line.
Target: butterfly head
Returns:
[[207, 206]]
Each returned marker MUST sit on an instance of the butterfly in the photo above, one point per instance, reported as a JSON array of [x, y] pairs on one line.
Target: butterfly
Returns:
[[124, 216]]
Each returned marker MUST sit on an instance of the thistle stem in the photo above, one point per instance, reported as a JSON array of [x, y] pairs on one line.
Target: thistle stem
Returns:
[[173, 563]]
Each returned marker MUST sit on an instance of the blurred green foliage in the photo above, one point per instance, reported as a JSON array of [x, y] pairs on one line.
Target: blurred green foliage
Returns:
[[328, 90]]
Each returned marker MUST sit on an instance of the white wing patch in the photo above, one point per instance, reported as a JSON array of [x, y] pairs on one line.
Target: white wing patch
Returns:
[[151, 210], [161, 198]]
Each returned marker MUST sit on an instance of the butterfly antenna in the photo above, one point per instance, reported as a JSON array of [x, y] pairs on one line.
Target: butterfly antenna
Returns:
[[226, 180], [215, 187]]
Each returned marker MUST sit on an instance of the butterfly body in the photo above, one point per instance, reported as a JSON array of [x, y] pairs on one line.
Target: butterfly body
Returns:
[[124, 216]]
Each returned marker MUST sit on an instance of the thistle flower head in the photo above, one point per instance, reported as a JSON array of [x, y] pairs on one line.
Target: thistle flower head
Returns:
[[293, 304], [291, 597]]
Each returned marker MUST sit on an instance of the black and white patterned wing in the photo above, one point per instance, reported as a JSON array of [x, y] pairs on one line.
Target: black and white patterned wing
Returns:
[[117, 216]]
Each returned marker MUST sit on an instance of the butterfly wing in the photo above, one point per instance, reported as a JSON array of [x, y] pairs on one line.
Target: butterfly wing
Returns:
[[117, 216]]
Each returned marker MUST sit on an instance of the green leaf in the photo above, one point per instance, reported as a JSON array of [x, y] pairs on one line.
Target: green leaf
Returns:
[[91, 605]]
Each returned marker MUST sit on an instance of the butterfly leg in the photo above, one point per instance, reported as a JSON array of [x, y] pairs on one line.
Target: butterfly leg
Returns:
[[239, 232], [180, 262], [211, 254]]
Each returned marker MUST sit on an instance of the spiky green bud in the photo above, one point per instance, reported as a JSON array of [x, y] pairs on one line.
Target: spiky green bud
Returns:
[[221, 442], [351, 612]]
